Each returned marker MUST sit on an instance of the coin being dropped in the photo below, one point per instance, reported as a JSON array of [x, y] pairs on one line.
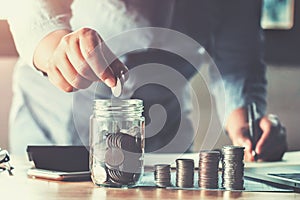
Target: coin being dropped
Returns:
[[117, 89]]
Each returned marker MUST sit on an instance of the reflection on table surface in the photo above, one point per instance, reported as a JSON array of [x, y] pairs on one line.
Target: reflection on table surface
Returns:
[[20, 186]]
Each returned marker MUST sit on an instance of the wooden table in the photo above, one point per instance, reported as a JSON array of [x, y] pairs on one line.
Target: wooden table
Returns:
[[20, 186]]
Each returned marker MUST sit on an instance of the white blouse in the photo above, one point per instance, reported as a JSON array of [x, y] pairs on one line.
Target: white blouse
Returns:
[[32, 20]]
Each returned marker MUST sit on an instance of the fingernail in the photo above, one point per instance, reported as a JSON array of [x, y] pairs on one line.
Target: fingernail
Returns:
[[258, 150], [253, 153], [110, 82]]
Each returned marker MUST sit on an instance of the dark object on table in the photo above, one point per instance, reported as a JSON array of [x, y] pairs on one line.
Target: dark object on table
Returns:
[[59, 158]]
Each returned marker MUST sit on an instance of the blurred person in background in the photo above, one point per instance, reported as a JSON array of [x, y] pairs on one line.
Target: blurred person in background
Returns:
[[55, 38]]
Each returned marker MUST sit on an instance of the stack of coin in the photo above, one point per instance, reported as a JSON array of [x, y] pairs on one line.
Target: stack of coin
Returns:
[[185, 173], [123, 158], [208, 169], [162, 175], [233, 167]]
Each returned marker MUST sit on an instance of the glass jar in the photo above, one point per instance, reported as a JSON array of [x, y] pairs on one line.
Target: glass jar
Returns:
[[117, 143]]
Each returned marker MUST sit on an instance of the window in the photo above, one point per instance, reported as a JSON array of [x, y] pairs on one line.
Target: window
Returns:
[[277, 14]]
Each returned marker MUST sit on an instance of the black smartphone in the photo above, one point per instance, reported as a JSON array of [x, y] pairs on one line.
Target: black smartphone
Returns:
[[59, 158]]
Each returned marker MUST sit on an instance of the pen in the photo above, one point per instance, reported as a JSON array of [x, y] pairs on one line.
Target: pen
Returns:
[[254, 131]]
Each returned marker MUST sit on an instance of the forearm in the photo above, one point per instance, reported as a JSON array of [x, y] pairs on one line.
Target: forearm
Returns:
[[46, 48], [238, 54], [236, 122]]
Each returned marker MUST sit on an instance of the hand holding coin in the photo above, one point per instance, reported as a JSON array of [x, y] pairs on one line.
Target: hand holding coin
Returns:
[[117, 89]]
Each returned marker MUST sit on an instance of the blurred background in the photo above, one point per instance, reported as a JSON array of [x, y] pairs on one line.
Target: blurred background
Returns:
[[281, 24]]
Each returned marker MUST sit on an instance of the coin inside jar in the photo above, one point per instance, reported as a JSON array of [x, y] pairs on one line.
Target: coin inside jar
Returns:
[[117, 141], [114, 157]]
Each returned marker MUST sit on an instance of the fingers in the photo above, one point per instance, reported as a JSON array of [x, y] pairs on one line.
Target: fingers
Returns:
[[248, 155], [120, 70], [272, 144], [71, 75], [80, 58], [60, 66], [65, 77], [56, 78], [241, 138], [77, 60], [245, 142], [90, 45], [238, 131], [265, 126]]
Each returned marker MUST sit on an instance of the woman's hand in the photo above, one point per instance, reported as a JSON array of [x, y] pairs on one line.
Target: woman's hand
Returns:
[[272, 143], [73, 60]]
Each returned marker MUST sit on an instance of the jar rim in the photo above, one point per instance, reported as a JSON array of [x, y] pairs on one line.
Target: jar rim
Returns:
[[118, 102], [116, 107]]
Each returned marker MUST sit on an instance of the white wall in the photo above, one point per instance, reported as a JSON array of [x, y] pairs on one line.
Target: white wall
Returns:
[[284, 100], [6, 69]]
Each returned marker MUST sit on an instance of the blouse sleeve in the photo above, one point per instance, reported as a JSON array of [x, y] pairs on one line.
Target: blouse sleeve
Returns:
[[238, 54], [31, 20]]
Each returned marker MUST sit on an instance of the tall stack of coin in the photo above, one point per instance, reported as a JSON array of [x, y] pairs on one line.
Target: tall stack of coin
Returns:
[[162, 175], [233, 167], [208, 169], [185, 173]]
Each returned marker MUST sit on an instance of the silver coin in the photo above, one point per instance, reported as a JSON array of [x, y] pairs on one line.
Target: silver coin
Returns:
[[99, 174], [185, 173], [120, 177], [114, 157], [233, 168], [208, 169], [117, 89], [134, 131], [162, 175]]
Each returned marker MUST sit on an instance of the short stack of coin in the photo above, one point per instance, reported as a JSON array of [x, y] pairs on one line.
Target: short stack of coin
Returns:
[[233, 167], [208, 169], [162, 175], [185, 173]]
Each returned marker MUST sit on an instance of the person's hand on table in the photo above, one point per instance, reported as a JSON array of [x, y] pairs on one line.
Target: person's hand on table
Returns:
[[73, 60], [272, 143]]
